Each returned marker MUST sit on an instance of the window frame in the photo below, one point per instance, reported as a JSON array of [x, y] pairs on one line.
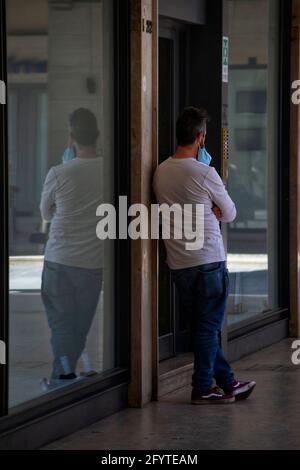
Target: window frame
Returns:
[[48, 403]]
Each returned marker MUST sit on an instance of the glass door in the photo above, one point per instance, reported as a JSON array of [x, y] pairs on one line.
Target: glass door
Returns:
[[61, 94], [253, 159]]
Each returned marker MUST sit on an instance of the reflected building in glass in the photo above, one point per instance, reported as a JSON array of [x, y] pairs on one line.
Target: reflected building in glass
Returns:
[[60, 59], [252, 182]]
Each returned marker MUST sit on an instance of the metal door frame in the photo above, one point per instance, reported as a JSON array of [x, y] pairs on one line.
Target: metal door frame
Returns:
[[4, 222]]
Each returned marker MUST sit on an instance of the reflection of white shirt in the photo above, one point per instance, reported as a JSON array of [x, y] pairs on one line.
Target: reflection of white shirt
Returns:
[[71, 194], [186, 181]]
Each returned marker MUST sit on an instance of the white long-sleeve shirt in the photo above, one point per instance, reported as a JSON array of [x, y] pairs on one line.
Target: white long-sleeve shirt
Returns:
[[187, 181], [71, 194]]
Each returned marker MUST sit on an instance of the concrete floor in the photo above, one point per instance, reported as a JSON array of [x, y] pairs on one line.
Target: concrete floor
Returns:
[[269, 419]]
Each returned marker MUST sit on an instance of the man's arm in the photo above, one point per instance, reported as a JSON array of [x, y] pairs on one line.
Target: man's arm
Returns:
[[47, 205], [219, 195]]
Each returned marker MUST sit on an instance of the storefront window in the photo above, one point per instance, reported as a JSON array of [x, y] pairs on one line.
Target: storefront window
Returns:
[[60, 95], [253, 115]]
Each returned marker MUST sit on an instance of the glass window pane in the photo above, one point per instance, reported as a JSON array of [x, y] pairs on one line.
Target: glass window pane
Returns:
[[60, 64], [252, 253]]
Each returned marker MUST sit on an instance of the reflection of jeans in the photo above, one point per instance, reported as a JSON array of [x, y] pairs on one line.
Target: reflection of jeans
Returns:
[[70, 296], [203, 292]]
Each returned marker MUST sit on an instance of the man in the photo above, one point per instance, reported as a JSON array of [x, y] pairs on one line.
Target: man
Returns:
[[200, 276], [72, 274]]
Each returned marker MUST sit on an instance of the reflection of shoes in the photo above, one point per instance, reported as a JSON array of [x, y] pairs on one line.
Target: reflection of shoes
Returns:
[[49, 384], [71, 376], [90, 373], [52, 384]]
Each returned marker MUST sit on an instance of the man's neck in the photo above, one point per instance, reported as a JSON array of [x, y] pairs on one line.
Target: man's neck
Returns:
[[88, 152], [185, 152]]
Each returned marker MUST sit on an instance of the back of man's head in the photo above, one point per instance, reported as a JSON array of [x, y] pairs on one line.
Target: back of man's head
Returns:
[[189, 124], [84, 128]]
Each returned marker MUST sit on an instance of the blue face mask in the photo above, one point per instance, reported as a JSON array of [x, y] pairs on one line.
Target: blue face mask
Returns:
[[203, 156], [68, 154]]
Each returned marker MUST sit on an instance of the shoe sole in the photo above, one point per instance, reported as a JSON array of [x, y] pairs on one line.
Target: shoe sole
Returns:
[[245, 394], [213, 402]]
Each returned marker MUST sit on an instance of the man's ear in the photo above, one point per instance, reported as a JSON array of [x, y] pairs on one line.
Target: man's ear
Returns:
[[201, 139]]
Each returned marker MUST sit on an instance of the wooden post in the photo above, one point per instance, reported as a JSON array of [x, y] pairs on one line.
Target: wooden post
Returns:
[[142, 327], [294, 326], [155, 253]]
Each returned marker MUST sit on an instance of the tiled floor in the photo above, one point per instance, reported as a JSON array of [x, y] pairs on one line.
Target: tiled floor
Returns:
[[269, 419]]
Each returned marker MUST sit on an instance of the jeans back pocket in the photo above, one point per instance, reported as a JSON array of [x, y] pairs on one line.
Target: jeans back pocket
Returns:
[[211, 283]]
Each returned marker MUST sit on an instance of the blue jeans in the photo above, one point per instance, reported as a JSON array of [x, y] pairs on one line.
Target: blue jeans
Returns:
[[203, 292], [70, 296]]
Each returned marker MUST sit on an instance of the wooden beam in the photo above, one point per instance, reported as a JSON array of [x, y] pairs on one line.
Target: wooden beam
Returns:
[[294, 325], [155, 253], [140, 389]]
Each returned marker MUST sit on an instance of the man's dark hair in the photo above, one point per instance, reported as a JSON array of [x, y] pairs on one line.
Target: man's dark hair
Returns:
[[189, 124], [84, 127]]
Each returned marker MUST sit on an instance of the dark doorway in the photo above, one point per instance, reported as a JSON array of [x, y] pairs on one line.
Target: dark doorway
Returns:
[[174, 334], [190, 66]]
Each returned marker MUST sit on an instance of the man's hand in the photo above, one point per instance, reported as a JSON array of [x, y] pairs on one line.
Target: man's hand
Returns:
[[217, 211]]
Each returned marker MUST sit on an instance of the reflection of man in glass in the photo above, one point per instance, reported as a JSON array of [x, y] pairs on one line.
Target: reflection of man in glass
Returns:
[[72, 274]]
